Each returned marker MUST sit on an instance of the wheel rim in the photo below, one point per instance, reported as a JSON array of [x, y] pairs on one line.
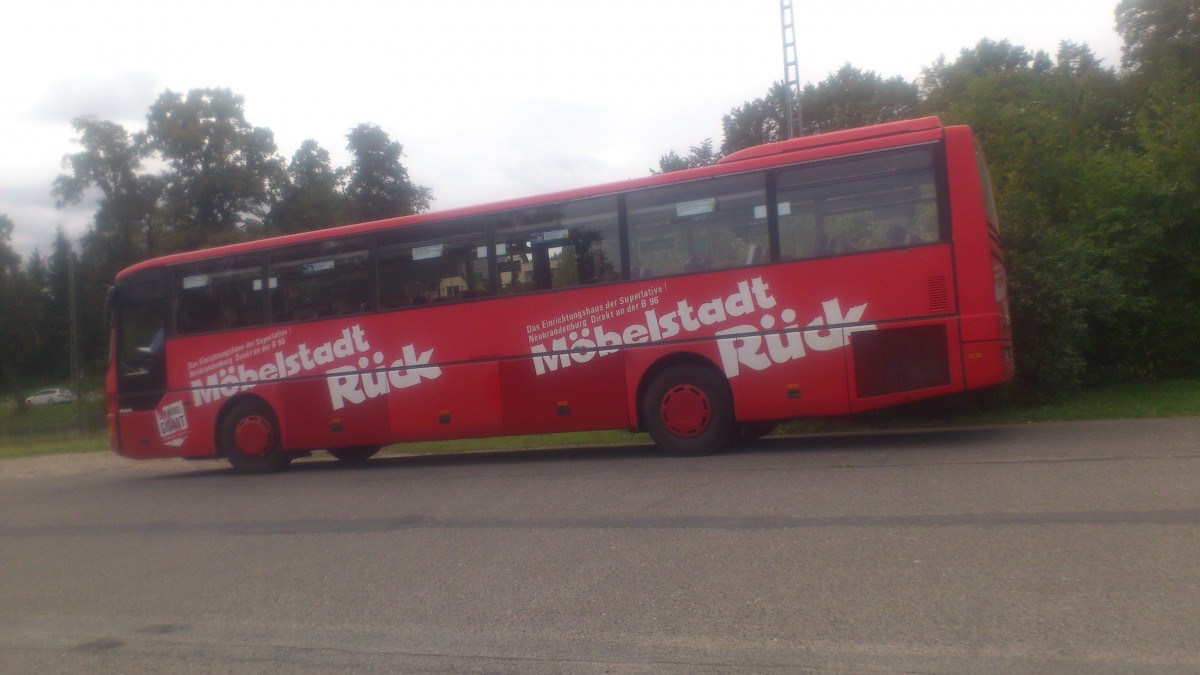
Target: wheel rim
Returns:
[[254, 436], [686, 410]]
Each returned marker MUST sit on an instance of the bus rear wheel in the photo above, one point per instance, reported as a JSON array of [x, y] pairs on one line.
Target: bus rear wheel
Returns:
[[688, 410], [249, 438], [354, 455]]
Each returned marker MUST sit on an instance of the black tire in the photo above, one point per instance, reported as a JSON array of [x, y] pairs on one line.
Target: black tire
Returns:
[[249, 438], [753, 431], [688, 410], [354, 455]]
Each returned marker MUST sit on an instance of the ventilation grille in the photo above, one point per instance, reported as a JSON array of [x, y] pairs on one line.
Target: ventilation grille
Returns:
[[939, 297], [894, 360]]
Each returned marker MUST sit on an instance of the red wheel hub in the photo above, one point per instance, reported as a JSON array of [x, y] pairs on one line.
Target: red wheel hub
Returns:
[[686, 410], [254, 436]]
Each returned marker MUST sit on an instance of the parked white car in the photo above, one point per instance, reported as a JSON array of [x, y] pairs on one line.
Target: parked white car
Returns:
[[47, 396]]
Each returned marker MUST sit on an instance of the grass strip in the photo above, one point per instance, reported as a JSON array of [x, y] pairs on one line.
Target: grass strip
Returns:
[[1175, 398]]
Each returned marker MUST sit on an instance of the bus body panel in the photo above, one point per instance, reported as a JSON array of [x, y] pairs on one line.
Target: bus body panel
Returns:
[[980, 275], [463, 401], [590, 396]]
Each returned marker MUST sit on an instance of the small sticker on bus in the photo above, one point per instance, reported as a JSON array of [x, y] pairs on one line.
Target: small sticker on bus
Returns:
[[196, 281], [172, 420], [552, 235], [318, 266], [429, 252], [696, 207], [784, 209]]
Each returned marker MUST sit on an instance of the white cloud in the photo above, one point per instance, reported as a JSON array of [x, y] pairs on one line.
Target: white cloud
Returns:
[[124, 99]]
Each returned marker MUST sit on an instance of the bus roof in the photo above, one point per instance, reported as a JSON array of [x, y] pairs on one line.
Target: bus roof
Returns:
[[766, 154], [834, 138]]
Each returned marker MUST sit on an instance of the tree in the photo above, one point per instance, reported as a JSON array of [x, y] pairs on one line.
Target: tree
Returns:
[[942, 83], [379, 185], [21, 309], [852, 98], [1161, 246], [54, 330], [1159, 32], [846, 99], [224, 172], [762, 120], [312, 198], [123, 229], [1094, 185], [701, 155]]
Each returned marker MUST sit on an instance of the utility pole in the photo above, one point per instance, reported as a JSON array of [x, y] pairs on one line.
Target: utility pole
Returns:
[[791, 72]]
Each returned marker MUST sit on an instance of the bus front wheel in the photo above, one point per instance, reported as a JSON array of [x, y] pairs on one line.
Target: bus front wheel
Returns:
[[249, 438], [688, 410]]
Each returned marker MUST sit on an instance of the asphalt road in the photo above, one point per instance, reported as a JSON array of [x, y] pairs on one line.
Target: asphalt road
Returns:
[[1054, 548]]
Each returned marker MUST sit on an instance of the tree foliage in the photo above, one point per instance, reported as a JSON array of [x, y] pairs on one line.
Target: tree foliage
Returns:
[[1158, 32], [853, 98], [846, 99], [223, 169], [21, 307], [700, 155], [379, 185], [312, 195], [123, 228]]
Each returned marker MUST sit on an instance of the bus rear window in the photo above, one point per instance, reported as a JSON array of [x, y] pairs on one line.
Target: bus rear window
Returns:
[[989, 197]]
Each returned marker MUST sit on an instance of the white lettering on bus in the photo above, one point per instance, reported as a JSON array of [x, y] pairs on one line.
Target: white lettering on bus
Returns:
[[355, 385], [744, 347], [342, 387]]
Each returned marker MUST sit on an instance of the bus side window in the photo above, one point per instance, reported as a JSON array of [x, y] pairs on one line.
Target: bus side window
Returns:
[[870, 203], [558, 246], [140, 348], [220, 294], [703, 225], [320, 280], [441, 263]]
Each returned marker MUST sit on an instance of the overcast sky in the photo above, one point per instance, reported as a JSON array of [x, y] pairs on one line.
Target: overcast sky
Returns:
[[491, 99]]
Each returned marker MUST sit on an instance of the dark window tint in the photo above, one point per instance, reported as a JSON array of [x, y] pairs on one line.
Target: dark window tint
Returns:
[[220, 294], [434, 263], [141, 356], [558, 246], [862, 204], [331, 278], [989, 197], [698, 226]]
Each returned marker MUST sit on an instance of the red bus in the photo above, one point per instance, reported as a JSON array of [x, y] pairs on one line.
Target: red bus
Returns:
[[823, 275]]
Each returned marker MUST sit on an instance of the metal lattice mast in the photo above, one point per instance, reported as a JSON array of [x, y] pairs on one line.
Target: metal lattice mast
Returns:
[[791, 72]]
